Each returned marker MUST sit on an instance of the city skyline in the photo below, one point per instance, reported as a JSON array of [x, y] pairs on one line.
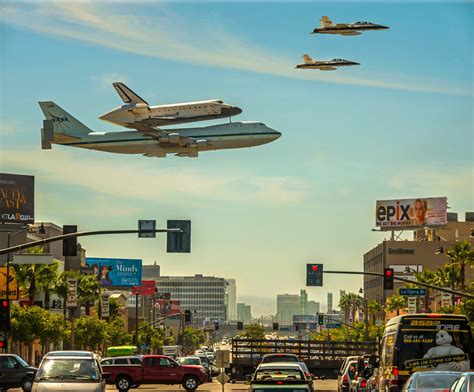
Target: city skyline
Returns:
[[398, 126]]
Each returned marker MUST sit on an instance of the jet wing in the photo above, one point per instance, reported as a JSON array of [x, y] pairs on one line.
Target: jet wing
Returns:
[[161, 135]]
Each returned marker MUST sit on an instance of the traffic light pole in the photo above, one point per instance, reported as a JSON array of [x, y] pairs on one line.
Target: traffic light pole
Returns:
[[81, 234], [431, 286]]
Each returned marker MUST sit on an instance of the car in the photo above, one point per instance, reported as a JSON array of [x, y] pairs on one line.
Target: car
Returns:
[[430, 381], [464, 383], [70, 371], [13, 372], [154, 369], [308, 375], [346, 375], [280, 357], [279, 376], [365, 370]]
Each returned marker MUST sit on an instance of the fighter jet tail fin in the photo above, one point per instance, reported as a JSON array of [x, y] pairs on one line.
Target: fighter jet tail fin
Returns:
[[325, 21], [63, 122], [127, 95], [307, 59]]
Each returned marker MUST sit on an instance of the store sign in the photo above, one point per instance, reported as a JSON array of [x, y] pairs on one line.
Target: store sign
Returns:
[[71, 293], [446, 299], [412, 305], [147, 288], [12, 284], [411, 213], [105, 306], [17, 198]]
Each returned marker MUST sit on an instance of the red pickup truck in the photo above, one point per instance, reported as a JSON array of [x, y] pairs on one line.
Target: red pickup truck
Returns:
[[132, 371]]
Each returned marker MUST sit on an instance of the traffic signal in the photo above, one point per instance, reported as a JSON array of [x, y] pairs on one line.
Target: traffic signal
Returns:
[[314, 274], [216, 326], [320, 319], [3, 343], [4, 315], [388, 278], [179, 242], [240, 325], [70, 244], [275, 326], [187, 316], [296, 326]]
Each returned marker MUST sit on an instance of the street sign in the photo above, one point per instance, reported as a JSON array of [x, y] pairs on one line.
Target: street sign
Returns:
[[223, 377], [333, 325], [412, 292], [223, 358], [33, 258], [146, 229]]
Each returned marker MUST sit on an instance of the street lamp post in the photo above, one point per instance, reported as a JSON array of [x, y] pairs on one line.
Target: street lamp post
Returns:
[[366, 315]]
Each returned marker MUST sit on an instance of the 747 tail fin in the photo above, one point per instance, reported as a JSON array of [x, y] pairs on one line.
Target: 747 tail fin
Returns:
[[63, 123]]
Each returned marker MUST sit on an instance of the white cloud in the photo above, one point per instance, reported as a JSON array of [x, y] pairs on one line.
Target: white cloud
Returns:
[[168, 36], [148, 182]]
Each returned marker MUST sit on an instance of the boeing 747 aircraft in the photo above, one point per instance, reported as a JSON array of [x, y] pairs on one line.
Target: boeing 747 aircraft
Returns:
[[62, 128], [327, 27], [136, 111]]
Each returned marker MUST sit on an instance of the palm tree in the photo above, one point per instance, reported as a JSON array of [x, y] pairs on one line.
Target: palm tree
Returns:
[[461, 255], [46, 281], [448, 276], [60, 286], [428, 277], [396, 303], [88, 290], [345, 305], [374, 308]]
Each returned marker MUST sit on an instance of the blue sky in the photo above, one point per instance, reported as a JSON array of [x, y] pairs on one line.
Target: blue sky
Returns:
[[398, 126]]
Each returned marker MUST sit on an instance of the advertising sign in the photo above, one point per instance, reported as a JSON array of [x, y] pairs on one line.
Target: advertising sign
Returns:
[[167, 308], [116, 272], [12, 284], [17, 198], [412, 305], [147, 288], [446, 299], [411, 213], [104, 303], [71, 293]]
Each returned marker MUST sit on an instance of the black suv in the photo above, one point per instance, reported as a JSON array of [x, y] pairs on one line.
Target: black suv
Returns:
[[13, 370]]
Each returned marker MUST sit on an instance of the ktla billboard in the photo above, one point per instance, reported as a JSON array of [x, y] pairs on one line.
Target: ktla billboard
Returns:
[[17, 198], [411, 213], [116, 272]]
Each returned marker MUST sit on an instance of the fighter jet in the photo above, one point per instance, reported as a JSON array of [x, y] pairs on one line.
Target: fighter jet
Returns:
[[324, 65], [62, 128], [137, 111], [345, 28]]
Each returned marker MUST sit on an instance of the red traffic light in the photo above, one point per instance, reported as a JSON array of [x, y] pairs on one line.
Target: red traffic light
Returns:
[[4, 304], [1, 343], [315, 267], [388, 272]]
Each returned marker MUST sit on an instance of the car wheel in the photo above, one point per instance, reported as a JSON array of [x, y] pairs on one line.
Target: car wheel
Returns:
[[123, 383], [26, 385], [190, 383]]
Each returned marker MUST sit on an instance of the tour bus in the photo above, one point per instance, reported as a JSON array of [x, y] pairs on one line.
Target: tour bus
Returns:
[[415, 342]]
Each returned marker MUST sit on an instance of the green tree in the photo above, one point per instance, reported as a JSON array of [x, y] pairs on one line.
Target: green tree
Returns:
[[60, 287], [46, 281], [88, 291], [428, 277], [116, 333], [192, 339], [461, 255], [448, 276], [375, 308], [395, 303], [89, 332], [254, 331]]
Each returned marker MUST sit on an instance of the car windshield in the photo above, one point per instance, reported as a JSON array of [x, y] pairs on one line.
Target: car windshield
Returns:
[[432, 381], [273, 375], [68, 369]]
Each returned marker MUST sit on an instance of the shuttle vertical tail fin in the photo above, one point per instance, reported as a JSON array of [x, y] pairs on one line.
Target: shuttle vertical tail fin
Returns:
[[63, 122], [307, 59], [325, 22]]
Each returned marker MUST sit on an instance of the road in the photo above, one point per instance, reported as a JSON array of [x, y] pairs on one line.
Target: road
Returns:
[[326, 385]]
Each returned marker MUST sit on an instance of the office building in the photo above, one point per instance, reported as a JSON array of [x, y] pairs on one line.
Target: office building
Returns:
[[150, 271], [244, 313], [231, 291], [330, 303], [303, 302], [203, 295], [425, 252], [313, 308], [288, 305]]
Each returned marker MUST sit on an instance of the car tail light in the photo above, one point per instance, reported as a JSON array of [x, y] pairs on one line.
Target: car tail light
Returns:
[[394, 378], [345, 378], [363, 383], [308, 375], [280, 382]]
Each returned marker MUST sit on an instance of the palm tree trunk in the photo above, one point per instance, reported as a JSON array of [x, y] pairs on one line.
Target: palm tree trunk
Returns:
[[32, 291], [462, 276], [46, 299]]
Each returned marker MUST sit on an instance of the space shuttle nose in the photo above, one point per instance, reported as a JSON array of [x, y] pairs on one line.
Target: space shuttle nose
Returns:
[[117, 116]]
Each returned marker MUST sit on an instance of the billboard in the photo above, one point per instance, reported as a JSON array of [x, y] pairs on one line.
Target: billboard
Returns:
[[12, 284], [17, 198], [411, 213], [167, 308], [147, 288], [116, 272]]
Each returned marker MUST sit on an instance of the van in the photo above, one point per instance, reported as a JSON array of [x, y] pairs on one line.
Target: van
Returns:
[[417, 342]]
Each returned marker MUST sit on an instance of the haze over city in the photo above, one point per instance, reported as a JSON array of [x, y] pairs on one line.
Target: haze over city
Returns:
[[398, 126]]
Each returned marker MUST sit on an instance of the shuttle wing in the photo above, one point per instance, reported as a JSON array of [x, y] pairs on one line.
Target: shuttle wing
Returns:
[[127, 95]]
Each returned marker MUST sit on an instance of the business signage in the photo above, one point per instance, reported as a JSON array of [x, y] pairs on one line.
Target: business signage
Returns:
[[71, 301], [104, 305], [147, 288], [117, 272], [412, 292], [17, 198], [165, 308], [411, 213], [12, 284]]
